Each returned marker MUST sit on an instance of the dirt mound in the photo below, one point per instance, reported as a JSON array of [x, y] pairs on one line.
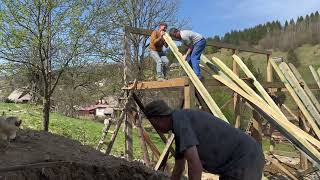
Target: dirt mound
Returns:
[[41, 155]]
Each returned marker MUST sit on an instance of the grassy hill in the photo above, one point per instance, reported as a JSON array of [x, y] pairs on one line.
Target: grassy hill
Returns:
[[85, 131], [88, 132]]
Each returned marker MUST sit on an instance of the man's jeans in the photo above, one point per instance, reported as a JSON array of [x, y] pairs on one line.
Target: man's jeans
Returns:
[[194, 58], [162, 63]]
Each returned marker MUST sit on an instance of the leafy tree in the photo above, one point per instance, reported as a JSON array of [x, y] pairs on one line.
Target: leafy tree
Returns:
[[45, 36]]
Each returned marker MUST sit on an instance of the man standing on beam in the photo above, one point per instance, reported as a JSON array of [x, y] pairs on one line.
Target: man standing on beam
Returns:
[[156, 51], [207, 142], [195, 43]]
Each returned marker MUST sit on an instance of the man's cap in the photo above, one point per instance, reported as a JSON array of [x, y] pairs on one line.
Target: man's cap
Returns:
[[163, 24], [157, 108]]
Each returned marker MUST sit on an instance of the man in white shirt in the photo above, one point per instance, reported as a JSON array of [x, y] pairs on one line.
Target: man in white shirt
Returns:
[[195, 43]]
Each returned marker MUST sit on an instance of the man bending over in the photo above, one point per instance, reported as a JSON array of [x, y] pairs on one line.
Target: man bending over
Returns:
[[207, 142]]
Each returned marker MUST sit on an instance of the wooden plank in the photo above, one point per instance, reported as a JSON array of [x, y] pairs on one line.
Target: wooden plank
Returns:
[[165, 152], [294, 96], [195, 80], [152, 146], [305, 86], [236, 99], [294, 135], [147, 32], [258, 98], [260, 89], [282, 168], [290, 112], [141, 106], [275, 85], [170, 83], [315, 75], [245, 86], [114, 135], [189, 94], [303, 96], [143, 145], [128, 138]]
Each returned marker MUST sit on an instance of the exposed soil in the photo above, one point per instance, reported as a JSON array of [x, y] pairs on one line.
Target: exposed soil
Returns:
[[40, 155]]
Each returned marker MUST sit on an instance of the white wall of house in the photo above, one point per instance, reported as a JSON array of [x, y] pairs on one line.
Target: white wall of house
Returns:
[[100, 112]]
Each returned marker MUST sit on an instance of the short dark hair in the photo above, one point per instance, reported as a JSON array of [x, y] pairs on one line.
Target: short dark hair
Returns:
[[163, 24], [173, 31]]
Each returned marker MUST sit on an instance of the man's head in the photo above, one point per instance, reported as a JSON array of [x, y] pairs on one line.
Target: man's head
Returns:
[[163, 26], [159, 114], [175, 33]]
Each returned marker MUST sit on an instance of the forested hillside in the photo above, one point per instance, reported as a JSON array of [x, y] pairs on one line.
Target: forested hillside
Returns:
[[274, 35]]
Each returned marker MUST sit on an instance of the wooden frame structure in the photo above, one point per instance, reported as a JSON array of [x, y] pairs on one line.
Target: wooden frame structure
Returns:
[[190, 85]]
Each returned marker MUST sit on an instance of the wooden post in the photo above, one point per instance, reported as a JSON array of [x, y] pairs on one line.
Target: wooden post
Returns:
[[303, 159], [128, 132], [189, 93], [270, 79], [126, 59], [236, 98], [142, 141]]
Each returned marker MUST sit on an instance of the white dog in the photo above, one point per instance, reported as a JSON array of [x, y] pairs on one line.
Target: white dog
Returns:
[[9, 127]]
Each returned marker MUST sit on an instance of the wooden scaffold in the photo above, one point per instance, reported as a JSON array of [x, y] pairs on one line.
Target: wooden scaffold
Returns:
[[246, 92]]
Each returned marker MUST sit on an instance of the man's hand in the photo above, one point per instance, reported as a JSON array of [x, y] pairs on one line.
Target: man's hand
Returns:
[[194, 163], [178, 169], [162, 33], [184, 57]]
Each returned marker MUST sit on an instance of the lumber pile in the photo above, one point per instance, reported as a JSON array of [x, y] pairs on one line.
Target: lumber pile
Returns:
[[264, 104]]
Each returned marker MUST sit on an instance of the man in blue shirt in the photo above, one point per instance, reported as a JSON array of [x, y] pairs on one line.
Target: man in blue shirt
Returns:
[[207, 142]]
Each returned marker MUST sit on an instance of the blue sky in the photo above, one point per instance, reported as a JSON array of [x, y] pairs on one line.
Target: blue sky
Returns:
[[216, 17]]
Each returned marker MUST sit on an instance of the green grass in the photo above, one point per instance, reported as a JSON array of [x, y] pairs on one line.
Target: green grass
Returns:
[[85, 131], [88, 132]]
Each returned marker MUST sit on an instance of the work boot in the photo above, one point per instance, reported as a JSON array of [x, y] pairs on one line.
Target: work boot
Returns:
[[160, 79]]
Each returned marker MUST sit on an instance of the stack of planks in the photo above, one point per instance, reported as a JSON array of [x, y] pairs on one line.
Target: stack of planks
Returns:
[[262, 104]]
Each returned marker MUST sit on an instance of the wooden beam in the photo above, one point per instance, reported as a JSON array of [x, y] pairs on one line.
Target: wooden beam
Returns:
[[152, 146], [189, 93], [170, 83], [143, 145], [225, 80], [292, 131], [147, 32], [141, 106], [236, 99], [315, 75], [282, 168], [266, 85], [303, 96], [304, 85], [195, 80], [165, 152], [293, 94]]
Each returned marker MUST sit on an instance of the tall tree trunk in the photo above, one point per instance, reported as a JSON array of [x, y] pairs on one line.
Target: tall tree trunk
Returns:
[[46, 111]]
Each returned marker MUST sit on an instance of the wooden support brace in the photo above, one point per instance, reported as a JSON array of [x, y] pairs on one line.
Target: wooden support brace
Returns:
[[282, 168], [315, 75], [141, 106], [305, 86], [195, 80], [165, 152], [303, 96]]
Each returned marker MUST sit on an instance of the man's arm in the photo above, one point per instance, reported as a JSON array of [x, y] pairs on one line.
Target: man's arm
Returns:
[[155, 40], [178, 169], [194, 163], [187, 53]]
